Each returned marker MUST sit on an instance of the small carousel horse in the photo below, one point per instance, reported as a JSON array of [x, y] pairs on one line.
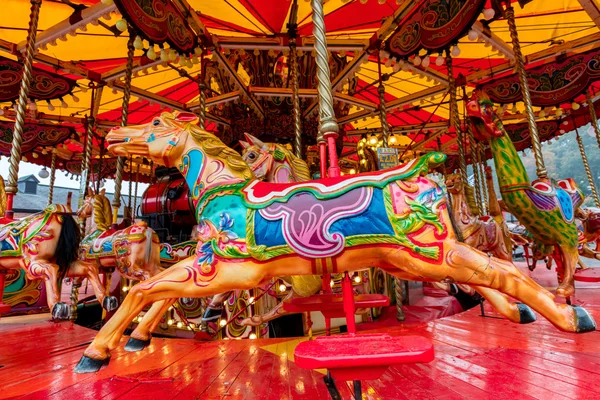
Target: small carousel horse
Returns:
[[44, 245], [252, 231], [483, 233], [133, 251]]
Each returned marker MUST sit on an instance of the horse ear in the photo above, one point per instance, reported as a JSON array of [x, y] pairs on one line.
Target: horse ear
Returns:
[[103, 192], [256, 142], [185, 117], [244, 144], [90, 192]]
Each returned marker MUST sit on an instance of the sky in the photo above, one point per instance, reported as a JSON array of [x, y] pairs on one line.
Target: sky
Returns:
[[61, 180]]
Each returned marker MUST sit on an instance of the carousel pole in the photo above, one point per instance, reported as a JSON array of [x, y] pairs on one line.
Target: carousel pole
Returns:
[[455, 119], [15, 151], [586, 166], [87, 149], [52, 178], [509, 14], [129, 199], [137, 178], [116, 203], [474, 151], [296, 97], [100, 161], [481, 167], [594, 118], [202, 94], [328, 126]]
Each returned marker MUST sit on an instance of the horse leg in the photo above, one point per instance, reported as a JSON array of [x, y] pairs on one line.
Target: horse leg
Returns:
[[184, 279], [462, 264], [214, 310], [142, 334], [566, 288], [60, 310], [516, 312], [276, 312]]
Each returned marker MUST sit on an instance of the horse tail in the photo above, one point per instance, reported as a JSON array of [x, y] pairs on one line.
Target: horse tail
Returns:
[[68, 245]]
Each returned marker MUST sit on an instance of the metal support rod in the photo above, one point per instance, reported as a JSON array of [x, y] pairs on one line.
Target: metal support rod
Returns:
[[116, 203], [474, 152], [100, 162], [130, 184], [328, 127], [481, 167], [74, 298], [594, 118], [509, 14], [296, 99], [15, 151], [202, 96], [586, 166], [52, 178], [137, 178], [385, 128], [455, 119]]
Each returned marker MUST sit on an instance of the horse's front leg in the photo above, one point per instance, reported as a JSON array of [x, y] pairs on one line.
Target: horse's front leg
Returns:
[[141, 336], [49, 273]]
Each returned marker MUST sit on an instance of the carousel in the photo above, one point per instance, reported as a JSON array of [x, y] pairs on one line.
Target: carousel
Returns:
[[341, 199]]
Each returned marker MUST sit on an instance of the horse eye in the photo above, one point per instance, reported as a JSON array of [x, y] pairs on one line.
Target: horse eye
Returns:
[[252, 156], [156, 122]]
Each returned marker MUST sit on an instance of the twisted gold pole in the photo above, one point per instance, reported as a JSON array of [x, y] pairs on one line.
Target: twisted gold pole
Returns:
[[474, 152], [296, 99], [590, 103], [85, 165], [481, 167], [455, 119], [137, 178], [116, 203], [588, 171], [509, 14], [328, 126], [15, 151], [398, 283], [130, 183], [383, 114], [74, 298], [202, 95], [52, 178]]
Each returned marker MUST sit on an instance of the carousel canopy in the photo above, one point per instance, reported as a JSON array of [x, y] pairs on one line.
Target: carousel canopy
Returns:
[[241, 50]]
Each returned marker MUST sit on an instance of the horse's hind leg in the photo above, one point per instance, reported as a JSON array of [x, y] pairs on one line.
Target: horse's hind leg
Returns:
[[140, 337], [566, 288], [473, 267], [49, 272], [516, 312]]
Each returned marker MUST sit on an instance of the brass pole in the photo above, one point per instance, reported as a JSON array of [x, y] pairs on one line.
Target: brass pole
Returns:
[[455, 119], [473, 152], [116, 203], [137, 178], [86, 162], [15, 151], [509, 14], [593, 116], [586, 166], [296, 99], [52, 178], [328, 126], [130, 183], [481, 167], [202, 94], [385, 128]]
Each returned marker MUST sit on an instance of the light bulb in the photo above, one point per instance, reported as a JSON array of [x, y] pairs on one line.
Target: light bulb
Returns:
[[251, 300], [575, 106], [373, 140], [514, 109], [252, 336], [75, 98], [180, 324], [542, 113], [417, 60], [170, 322], [125, 288], [392, 139], [222, 323], [396, 67], [121, 25], [50, 106], [352, 171], [282, 288], [198, 51], [559, 111], [331, 283], [357, 279], [44, 173], [1, 111], [455, 51], [63, 104], [426, 61], [363, 161], [151, 54], [173, 55], [33, 106], [489, 13], [138, 44], [439, 61], [473, 35], [164, 56]]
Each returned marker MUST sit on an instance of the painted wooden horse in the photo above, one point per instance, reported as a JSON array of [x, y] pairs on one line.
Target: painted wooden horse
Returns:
[[546, 208], [484, 233], [44, 246], [133, 251], [252, 231]]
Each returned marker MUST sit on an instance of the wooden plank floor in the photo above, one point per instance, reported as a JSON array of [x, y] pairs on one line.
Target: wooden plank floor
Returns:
[[476, 358]]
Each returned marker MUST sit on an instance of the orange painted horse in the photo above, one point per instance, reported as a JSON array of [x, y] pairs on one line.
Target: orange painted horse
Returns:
[[250, 232]]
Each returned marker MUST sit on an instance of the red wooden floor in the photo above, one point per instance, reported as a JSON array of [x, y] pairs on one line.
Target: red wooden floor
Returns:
[[476, 358]]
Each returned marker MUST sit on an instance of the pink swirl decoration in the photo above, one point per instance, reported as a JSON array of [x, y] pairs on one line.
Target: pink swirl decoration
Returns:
[[306, 221]]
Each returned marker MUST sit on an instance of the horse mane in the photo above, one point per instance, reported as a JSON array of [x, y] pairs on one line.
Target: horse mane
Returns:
[[213, 146], [102, 212], [470, 196], [299, 166]]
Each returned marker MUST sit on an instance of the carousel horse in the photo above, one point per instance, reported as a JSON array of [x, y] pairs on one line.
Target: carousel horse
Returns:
[[44, 246], [251, 231], [484, 233], [545, 207], [133, 251]]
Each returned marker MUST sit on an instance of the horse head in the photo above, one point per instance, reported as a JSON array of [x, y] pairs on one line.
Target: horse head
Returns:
[[258, 155], [85, 211], [156, 140], [483, 118], [454, 183]]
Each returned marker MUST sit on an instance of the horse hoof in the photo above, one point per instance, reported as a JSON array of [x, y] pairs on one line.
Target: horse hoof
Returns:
[[61, 312], [110, 303], [585, 322], [212, 314], [526, 316], [87, 364], [566, 291], [134, 344]]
